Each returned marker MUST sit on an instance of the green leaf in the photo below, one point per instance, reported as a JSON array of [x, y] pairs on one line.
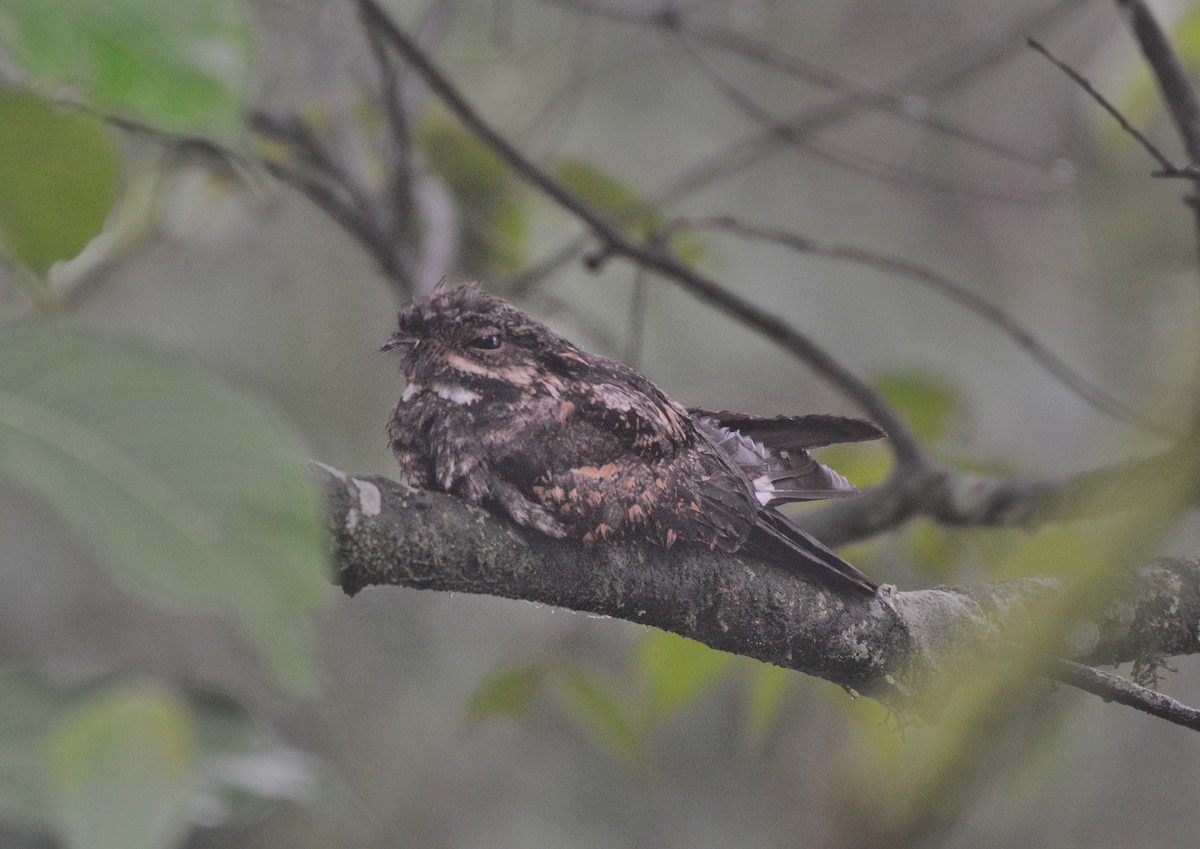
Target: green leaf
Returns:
[[608, 196], [929, 404], [764, 700], [614, 200], [178, 65], [58, 179], [599, 712], [676, 670], [597, 188], [185, 485], [121, 769], [505, 693]]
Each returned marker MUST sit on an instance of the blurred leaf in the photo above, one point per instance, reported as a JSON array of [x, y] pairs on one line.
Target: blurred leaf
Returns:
[[121, 769], [611, 198], [929, 404], [864, 464], [690, 248], [608, 196], [936, 552], [27, 706], [180, 66], [676, 670], [505, 693], [185, 485], [1068, 550], [494, 228], [764, 700], [603, 192], [58, 179], [241, 770], [600, 713]]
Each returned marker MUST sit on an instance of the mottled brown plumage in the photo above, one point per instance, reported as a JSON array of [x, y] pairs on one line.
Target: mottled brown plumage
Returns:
[[503, 412]]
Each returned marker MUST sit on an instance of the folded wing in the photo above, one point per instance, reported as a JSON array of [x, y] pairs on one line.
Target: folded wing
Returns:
[[772, 454]]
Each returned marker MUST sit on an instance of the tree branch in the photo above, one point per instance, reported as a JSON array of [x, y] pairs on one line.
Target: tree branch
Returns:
[[1113, 688], [955, 498], [908, 653], [940, 283]]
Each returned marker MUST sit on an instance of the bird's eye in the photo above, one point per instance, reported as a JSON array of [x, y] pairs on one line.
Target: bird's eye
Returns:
[[487, 343]]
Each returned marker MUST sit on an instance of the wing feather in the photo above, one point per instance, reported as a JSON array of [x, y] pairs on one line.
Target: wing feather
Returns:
[[791, 432]]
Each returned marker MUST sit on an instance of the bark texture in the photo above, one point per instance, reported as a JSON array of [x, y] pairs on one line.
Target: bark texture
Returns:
[[904, 648]]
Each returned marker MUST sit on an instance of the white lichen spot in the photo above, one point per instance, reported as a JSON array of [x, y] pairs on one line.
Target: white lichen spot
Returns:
[[369, 498], [352, 519]]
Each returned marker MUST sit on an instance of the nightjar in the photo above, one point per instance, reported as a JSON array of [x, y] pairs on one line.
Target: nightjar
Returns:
[[501, 411]]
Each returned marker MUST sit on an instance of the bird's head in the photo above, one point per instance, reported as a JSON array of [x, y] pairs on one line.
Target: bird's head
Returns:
[[465, 339]]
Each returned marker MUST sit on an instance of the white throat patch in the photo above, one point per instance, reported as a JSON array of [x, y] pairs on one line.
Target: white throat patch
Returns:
[[446, 391], [456, 394]]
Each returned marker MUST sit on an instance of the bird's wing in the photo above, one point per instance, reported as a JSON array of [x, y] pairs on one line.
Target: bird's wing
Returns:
[[790, 432], [777, 540], [620, 402], [780, 471]]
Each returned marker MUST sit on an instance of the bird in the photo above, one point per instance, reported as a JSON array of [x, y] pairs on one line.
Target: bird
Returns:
[[501, 411]]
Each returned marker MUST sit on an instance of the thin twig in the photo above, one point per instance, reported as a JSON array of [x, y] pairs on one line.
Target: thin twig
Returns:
[[941, 74], [614, 241], [1167, 166], [1113, 688], [400, 208], [858, 163], [963, 500], [900, 107], [1182, 104], [1025, 339]]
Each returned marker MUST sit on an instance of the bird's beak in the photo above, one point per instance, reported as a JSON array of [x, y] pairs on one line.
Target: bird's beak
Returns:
[[395, 341]]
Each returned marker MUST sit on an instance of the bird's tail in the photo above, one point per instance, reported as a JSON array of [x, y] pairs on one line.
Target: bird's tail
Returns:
[[776, 539]]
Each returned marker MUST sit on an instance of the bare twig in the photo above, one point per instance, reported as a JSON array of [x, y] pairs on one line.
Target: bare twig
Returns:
[[926, 276], [964, 500], [900, 107], [401, 223], [1168, 167], [941, 74], [765, 55], [803, 139], [1113, 688], [1182, 104], [318, 176]]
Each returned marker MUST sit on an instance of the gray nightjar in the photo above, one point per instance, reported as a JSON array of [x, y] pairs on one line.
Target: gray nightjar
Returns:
[[501, 411]]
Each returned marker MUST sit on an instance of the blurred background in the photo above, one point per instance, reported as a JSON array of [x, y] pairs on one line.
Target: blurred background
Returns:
[[461, 721]]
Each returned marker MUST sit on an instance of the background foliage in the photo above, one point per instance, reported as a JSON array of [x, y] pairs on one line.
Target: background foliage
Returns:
[[178, 324]]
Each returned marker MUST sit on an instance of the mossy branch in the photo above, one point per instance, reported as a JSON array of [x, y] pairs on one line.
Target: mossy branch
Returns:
[[906, 649]]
